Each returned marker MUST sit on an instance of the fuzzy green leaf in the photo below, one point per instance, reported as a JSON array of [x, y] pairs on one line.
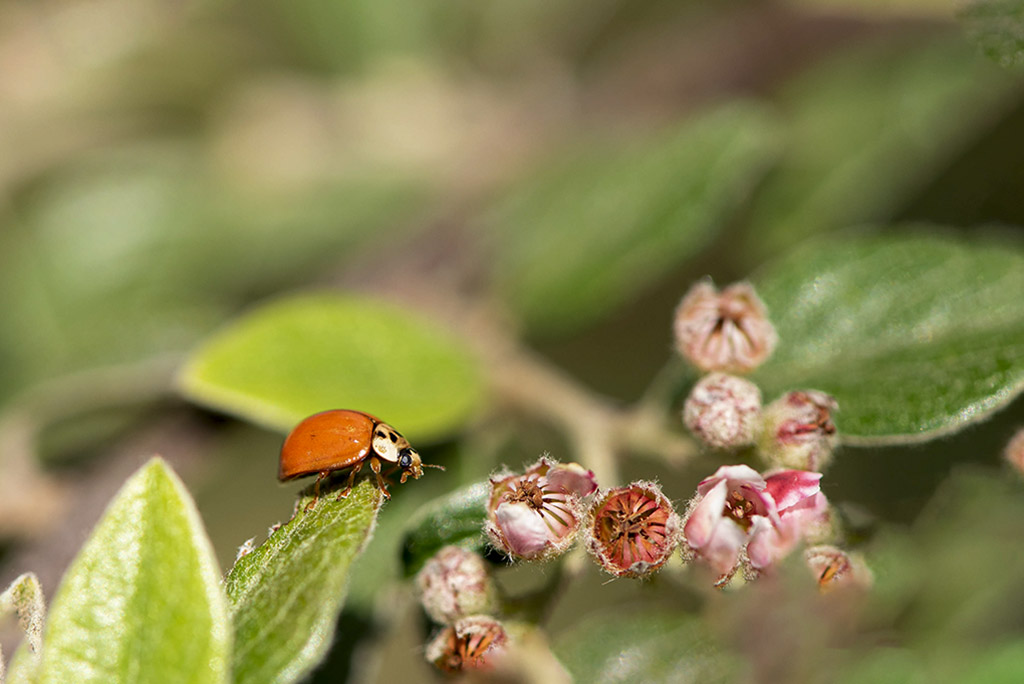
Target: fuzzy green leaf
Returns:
[[286, 595], [595, 227], [867, 129], [915, 335], [142, 601], [454, 520], [645, 646], [997, 26], [297, 356]]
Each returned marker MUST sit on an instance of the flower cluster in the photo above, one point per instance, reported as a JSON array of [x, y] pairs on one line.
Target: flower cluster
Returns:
[[729, 332], [740, 519]]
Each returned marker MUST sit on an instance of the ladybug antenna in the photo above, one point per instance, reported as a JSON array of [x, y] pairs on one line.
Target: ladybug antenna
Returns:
[[431, 465]]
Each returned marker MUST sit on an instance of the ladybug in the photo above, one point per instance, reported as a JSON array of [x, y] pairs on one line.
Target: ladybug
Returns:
[[341, 438]]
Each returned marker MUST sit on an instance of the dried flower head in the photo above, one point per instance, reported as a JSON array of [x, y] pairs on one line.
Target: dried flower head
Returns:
[[631, 531], [536, 515], [455, 583], [723, 411], [472, 643], [724, 331], [797, 431], [833, 567]]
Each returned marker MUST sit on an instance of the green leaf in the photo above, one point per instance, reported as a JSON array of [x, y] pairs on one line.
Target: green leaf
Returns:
[[867, 129], [644, 646], [915, 335], [286, 595], [997, 27], [297, 356], [142, 601], [595, 226], [456, 520]]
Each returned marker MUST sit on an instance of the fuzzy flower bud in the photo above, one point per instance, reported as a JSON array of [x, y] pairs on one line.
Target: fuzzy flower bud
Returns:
[[1014, 453], [455, 583], [724, 331], [723, 411], [833, 567], [631, 531], [797, 431], [472, 643], [536, 516]]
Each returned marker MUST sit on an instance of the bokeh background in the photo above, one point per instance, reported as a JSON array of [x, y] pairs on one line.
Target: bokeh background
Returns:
[[164, 165]]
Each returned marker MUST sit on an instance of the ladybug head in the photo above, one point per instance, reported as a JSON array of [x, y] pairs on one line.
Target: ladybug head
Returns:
[[410, 463]]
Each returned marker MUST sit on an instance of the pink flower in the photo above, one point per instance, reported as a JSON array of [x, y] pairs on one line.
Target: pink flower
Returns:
[[723, 513], [536, 515], [736, 510], [803, 513], [723, 331]]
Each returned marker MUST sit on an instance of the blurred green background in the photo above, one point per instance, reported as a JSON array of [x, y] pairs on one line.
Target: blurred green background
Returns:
[[166, 165]]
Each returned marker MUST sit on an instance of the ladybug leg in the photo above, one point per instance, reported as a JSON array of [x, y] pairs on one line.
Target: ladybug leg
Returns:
[[316, 489], [343, 494], [375, 467]]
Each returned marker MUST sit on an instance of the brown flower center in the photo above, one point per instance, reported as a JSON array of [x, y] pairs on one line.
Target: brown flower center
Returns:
[[740, 509], [528, 492], [632, 527]]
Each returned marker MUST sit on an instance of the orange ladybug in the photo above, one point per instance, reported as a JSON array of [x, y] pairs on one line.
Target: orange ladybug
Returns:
[[341, 438]]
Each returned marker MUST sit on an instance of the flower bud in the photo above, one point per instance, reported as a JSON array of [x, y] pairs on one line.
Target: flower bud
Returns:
[[1014, 453], [797, 431], [723, 411], [455, 583], [631, 531], [536, 516], [472, 643], [833, 567], [727, 331]]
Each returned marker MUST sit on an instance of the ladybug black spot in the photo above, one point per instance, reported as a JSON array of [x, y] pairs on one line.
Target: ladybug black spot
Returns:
[[394, 437]]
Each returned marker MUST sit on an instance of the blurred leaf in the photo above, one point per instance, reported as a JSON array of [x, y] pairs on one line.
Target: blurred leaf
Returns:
[[456, 519], [915, 335], [286, 595], [297, 356], [867, 129], [143, 597], [884, 666], [595, 227], [874, 9], [1000, 664], [997, 26], [644, 647], [121, 255]]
